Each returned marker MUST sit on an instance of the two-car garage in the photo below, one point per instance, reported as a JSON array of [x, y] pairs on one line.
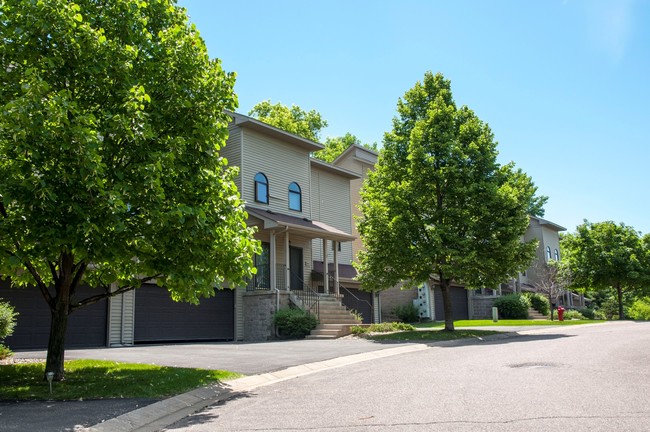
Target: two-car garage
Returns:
[[154, 318]]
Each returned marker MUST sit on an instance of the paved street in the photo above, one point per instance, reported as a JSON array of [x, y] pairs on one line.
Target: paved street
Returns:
[[582, 378]]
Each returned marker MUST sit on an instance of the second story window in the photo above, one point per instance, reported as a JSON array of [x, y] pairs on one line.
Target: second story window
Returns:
[[548, 252], [261, 188], [557, 255], [295, 197]]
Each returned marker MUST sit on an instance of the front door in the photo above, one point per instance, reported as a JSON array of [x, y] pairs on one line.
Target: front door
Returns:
[[295, 264]]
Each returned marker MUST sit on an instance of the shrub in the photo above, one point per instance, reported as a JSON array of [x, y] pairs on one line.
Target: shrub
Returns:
[[640, 309], [513, 306], [592, 314], [571, 314], [7, 319], [382, 328], [294, 323], [407, 313], [539, 303], [5, 352], [599, 315]]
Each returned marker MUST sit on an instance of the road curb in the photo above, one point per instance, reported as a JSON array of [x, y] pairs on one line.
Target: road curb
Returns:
[[158, 415], [161, 414]]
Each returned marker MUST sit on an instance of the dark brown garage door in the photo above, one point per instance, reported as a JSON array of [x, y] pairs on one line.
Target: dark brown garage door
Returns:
[[360, 301], [458, 304], [160, 319], [86, 326]]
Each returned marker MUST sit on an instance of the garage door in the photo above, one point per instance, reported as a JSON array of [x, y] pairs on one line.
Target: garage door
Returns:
[[160, 319], [86, 326], [360, 301], [458, 303]]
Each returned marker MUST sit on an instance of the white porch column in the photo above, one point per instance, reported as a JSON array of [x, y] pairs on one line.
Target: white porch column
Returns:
[[272, 261], [326, 274], [336, 267], [287, 260]]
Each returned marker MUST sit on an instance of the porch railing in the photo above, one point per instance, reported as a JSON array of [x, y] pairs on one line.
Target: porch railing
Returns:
[[352, 302], [262, 280]]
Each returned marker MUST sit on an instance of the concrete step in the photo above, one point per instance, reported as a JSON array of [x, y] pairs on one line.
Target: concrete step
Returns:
[[534, 315], [320, 337]]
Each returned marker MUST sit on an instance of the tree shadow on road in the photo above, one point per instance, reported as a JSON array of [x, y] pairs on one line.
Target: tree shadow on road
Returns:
[[210, 413], [496, 339]]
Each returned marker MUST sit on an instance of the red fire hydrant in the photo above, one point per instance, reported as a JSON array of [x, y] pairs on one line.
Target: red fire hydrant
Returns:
[[560, 313]]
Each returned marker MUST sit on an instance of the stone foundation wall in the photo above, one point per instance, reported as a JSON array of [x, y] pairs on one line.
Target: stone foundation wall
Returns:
[[259, 307], [482, 307]]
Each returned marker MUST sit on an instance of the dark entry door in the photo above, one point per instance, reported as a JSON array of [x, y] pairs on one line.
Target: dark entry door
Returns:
[[295, 264]]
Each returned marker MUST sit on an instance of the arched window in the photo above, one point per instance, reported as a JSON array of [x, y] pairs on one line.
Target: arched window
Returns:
[[261, 188], [557, 255], [295, 197], [548, 252]]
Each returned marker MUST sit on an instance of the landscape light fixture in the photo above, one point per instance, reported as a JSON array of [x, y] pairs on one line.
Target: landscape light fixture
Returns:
[[50, 377]]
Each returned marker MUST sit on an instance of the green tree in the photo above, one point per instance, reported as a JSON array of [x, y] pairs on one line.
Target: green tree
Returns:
[[111, 122], [438, 205], [337, 145], [307, 124], [604, 256]]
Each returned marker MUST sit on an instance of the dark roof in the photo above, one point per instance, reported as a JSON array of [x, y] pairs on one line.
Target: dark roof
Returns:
[[311, 228], [345, 270]]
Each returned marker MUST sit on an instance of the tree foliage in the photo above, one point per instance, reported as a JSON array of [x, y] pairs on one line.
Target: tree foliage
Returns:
[[608, 256], [438, 205], [111, 120], [307, 124], [337, 145]]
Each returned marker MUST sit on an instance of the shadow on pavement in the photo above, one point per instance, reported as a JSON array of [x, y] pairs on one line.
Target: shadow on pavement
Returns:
[[209, 414], [497, 339]]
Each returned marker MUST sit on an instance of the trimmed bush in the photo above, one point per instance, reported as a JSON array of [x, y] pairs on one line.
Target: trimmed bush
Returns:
[[407, 313], [539, 303], [7, 319], [513, 306], [592, 314], [294, 323], [571, 314], [640, 310]]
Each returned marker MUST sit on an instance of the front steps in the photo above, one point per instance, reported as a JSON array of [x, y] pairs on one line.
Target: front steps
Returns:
[[334, 320], [534, 315]]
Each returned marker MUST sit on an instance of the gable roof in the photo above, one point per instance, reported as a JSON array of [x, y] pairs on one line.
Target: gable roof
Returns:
[[360, 153], [257, 125], [550, 224]]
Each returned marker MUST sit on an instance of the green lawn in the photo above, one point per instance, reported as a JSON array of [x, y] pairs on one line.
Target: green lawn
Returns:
[[502, 323], [95, 379], [431, 335]]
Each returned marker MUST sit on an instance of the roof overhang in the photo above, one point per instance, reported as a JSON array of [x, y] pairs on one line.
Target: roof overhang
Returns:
[[549, 224], [259, 126], [316, 163], [303, 226]]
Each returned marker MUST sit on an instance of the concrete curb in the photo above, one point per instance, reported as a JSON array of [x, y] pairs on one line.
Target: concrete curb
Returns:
[[158, 415], [161, 414]]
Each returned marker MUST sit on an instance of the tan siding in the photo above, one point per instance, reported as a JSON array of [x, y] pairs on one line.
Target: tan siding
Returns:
[[282, 164], [239, 313], [232, 150], [121, 319]]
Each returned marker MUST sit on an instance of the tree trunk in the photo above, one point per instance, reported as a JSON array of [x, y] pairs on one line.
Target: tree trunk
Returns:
[[619, 292], [56, 343], [446, 303], [550, 303]]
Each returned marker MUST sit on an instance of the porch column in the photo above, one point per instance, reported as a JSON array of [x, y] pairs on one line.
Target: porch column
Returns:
[[287, 260], [336, 267], [272, 261], [326, 275]]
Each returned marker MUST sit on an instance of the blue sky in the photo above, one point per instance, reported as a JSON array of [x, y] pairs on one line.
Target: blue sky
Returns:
[[564, 84]]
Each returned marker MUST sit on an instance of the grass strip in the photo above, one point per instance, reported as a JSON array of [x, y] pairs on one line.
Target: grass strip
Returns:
[[431, 335], [507, 323], [99, 379]]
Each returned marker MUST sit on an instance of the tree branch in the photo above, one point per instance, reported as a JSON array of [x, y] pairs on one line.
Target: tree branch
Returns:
[[108, 294], [39, 282]]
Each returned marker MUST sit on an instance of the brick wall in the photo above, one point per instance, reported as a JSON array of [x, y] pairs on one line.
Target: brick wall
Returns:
[[393, 297]]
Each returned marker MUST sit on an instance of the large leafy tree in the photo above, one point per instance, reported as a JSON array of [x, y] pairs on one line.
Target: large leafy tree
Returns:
[[307, 124], [334, 146], [608, 256], [111, 119], [438, 205]]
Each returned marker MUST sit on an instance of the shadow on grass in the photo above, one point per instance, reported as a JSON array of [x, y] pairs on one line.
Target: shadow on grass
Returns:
[[93, 379]]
